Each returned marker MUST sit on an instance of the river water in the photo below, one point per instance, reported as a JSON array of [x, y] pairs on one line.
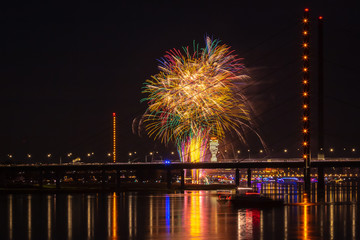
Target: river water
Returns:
[[186, 215]]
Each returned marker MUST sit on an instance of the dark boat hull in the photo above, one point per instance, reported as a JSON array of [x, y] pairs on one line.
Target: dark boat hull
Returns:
[[255, 202]]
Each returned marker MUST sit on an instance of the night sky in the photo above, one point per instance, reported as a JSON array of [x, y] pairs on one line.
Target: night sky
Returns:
[[66, 67]]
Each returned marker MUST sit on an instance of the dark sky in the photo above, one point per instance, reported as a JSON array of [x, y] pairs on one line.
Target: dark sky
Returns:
[[66, 67]]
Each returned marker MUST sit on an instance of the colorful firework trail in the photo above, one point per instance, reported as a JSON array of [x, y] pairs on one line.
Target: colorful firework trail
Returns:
[[196, 96]]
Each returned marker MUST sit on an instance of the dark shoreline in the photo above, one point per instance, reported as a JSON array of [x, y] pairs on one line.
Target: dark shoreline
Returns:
[[128, 187]]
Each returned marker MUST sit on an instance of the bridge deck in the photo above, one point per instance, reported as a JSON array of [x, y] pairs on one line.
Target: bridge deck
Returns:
[[177, 165]]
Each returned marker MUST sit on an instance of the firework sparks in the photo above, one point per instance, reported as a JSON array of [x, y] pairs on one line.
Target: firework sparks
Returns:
[[195, 96]]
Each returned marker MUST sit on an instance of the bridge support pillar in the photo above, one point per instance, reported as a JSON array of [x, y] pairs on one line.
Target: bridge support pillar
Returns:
[[307, 180], [249, 177], [321, 183], [3, 177], [57, 179], [237, 177], [182, 178], [168, 178], [103, 177], [117, 178], [41, 178]]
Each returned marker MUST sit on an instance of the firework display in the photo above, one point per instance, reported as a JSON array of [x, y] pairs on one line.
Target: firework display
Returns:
[[196, 95]]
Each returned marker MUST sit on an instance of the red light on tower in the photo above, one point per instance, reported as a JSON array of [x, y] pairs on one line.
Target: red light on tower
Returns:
[[320, 18], [306, 9]]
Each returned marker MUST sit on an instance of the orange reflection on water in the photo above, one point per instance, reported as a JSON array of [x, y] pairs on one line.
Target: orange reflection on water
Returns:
[[306, 218], [90, 218], [114, 217], [195, 214], [49, 224], [200, 216], [29, 217], [332, 221], [10, 217], [305, 222], [69, 216]]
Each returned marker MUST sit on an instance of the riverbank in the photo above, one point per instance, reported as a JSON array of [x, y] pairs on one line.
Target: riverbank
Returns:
[[126, 187]]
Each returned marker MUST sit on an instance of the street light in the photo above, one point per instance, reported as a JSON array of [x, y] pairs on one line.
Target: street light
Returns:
[[150, 154], [130, 154], [238, 153]]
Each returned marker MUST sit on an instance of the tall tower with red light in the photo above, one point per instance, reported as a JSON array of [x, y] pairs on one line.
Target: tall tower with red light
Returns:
[[114, 137], [306, 92]]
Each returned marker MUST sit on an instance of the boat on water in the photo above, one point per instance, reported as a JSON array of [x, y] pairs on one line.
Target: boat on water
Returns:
[[247, 197], [224, 195]]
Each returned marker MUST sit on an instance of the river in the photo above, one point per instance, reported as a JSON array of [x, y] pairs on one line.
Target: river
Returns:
[[183, 215]]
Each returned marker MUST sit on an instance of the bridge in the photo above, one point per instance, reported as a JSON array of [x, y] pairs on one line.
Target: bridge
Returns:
[[225, 164], [59, 170]]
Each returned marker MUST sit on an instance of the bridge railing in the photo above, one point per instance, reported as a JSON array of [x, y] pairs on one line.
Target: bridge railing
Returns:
[[287, 160], [262, 160]]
